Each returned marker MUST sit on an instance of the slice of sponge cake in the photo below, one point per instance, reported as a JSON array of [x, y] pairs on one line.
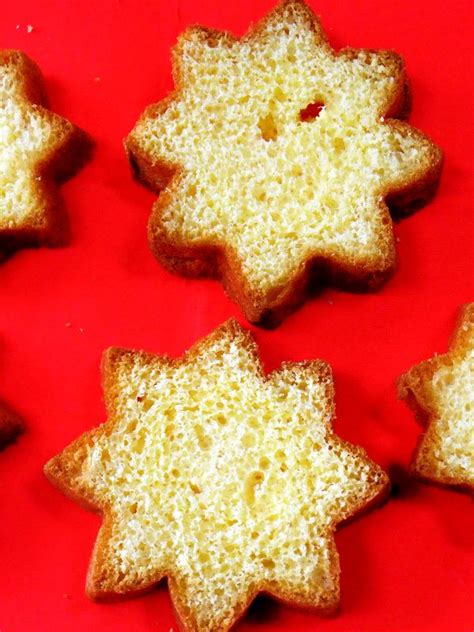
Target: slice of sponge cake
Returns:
[[441, 392], [37, 150], [224, 480], [274, 156]]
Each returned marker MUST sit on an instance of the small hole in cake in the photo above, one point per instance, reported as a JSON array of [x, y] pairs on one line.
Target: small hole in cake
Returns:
[[267, 563], [339, 145], [253, 480], [221, 419], [172, 114], [311, 111], [147, 404], [279, 94], [264, 462], [296, 171], [268, 128], [204, 441], [139, 444], [259, 193]]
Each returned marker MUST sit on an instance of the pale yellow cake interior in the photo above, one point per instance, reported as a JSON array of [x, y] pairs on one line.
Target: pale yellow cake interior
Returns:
[[448, 445], [27, 133], [225, 478], [258, 177]]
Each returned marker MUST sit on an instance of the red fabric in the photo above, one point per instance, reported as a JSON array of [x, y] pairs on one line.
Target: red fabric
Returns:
[[407, 566]]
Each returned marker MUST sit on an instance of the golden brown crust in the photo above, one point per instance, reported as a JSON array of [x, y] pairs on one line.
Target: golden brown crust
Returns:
[[218, 260], [64, 471], [156, 175], [61, 157], [267, 310], [10, 426], [414, 387], [414, 194]]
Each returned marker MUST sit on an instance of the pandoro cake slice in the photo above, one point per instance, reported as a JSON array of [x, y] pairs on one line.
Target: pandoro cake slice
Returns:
[[275, 158], [227, 481]]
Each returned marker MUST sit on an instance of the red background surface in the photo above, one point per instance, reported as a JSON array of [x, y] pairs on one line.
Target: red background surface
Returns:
[[407, 566]]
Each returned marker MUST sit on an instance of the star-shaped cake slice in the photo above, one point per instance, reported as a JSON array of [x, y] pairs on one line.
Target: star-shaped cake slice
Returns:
[[38, 149], [225, 480], [275, 157], [441, 392]]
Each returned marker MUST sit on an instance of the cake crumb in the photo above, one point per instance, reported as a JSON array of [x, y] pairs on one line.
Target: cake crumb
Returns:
[[97, 79], [348, 224], [29, 28]]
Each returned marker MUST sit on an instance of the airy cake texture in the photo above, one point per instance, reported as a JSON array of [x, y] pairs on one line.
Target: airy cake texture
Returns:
[[441, 392], [274, 156], [10, 426], [224, 480], [37, 149]]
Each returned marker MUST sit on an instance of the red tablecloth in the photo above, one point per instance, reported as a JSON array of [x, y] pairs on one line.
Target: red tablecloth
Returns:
[[406, 566]]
